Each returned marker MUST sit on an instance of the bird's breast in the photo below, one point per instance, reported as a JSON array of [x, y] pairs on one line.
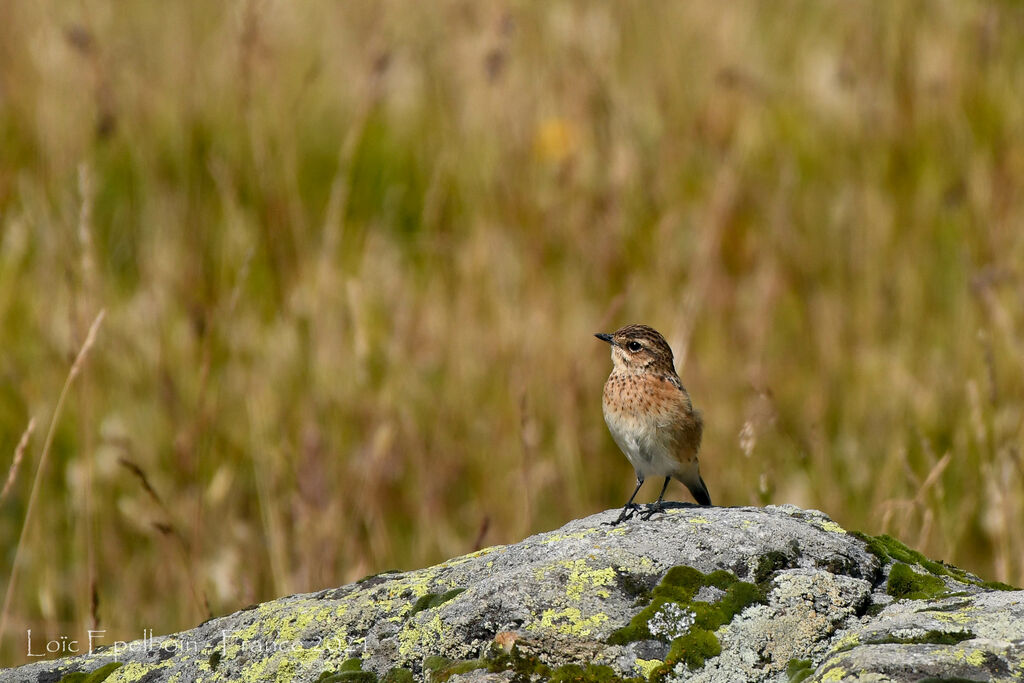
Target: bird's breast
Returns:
[[647, 416], [644, 399]]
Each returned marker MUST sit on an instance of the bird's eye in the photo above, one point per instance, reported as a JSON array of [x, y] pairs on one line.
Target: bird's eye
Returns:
[[634, 346]]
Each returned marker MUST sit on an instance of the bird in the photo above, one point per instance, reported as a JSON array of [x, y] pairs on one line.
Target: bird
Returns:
[[650, 415]]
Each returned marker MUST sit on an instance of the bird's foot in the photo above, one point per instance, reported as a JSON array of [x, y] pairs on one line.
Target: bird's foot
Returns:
[[627, 513], [652, 510]]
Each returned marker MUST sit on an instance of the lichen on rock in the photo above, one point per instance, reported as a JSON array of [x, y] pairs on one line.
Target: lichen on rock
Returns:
[[700, 594]]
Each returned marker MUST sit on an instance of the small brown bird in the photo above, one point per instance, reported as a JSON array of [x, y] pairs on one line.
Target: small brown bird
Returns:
[[650, 415]]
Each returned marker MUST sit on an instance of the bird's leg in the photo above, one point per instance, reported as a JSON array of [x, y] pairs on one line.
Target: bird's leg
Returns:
[[629, 508], [658, 506]]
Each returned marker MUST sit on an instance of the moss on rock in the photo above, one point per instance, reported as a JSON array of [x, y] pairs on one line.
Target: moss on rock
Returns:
[[905, 583], [888, 549], [398, 675], [432, 600], [350, 671], [591, 673], [680, 586], [799, 670], [676, 616], [96, 676], [769, 563], [440, 669], [694, 648]]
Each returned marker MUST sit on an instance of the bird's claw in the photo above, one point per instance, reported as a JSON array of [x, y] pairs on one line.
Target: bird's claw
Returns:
[[627, 513], [651, 510]]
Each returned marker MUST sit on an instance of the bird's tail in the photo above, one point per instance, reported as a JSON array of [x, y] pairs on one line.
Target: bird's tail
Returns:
[[699, 491]]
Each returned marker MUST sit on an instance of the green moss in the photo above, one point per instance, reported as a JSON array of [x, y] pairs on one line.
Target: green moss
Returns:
[[434, 662], [353, 664], [398, 675], [905, 583], [350, 671], [96, 676], [432, 600], [799, 670], [719, 579], [525, 667], [739, 596], [440, 669], [680, 585], [872, 546], [592, 673], [888, 549], [100, 674], [693, 649], [347, 677], [215, 659], [998, 586], [769, 563], [930, 638]]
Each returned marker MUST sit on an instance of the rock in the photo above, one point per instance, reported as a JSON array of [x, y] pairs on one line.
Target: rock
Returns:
[[701, 594]]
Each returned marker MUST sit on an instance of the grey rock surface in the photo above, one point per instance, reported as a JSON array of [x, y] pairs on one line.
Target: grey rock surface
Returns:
[[701, 594]]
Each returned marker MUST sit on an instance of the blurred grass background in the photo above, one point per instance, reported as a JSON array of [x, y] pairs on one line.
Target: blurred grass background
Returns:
[[352, 256]]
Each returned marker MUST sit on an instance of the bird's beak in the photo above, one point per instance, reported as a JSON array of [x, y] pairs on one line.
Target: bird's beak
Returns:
[[605, 337]]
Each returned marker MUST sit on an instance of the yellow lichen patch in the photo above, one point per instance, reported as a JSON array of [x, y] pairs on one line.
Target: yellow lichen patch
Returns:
[[284, 628], [133, 671], [616, 531], [646, 666], [582, 579], [575, 536], [829, 525], [747, 523], [961, 616], [256, 671], [569, 621], [414, 584], [698, 520], [836, 673], [301, 618], [417, 583], [230, 651], [463, 559], [974, 657], [849, 640], [417, 633], [282, 664], [339, 635]]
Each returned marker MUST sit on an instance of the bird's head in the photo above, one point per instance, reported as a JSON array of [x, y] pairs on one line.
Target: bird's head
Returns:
[[639, 348]]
